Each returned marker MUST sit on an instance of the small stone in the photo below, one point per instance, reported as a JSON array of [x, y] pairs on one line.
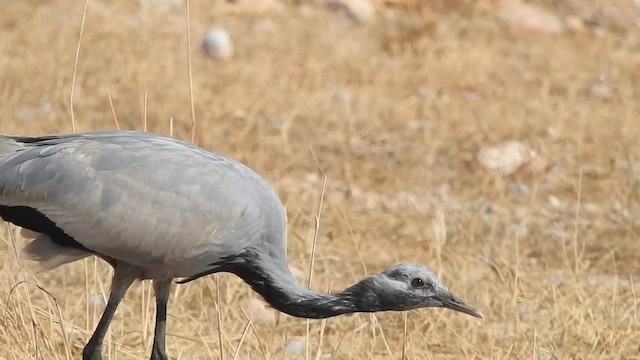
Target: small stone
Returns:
[[29, 112], [505, 158], [294, 347], [359, 11], [342, 94], [555, 202], [97, 300], [529, 18], [521, 189], [543, 353], [602, 89], [517, 230], [613, 14], [426, 92], [217, 43], [414, 125], [471, 96], [574, 24], [311, 177]]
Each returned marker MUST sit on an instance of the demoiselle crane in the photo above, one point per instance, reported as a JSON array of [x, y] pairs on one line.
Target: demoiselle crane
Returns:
[[157, 208]]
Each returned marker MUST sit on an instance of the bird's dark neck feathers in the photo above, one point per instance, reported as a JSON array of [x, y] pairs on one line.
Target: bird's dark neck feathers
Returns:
[[281, 290]]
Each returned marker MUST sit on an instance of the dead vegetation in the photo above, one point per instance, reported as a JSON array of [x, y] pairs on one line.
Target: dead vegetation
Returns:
[[395, 113]]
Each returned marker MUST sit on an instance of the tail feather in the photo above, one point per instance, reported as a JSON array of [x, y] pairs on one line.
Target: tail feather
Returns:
[[29, 234], [50, 255], [8, 145]]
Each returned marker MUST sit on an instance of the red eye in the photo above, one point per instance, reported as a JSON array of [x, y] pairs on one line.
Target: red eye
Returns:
[[417, 282]]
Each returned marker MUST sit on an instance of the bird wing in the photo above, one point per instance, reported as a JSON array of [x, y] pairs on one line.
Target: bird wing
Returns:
[[137, 197]]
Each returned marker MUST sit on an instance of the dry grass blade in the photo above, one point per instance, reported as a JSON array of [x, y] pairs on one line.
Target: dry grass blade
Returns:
[[219, 318], [67, 348], [144, 112], [256, 334], [550, 249], [113, 111], [75, 67], [316, 230], [323, 325], [244, 333], [191, 101], [404, 335]]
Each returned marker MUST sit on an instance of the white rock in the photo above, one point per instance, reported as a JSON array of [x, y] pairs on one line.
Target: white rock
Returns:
[[97, 300], [555, 202], [615, 14], [601, 89], [529, 18], [294, 347], [361, 11], [414, 125], [471, 96], [342, 94], [574, 24], [29, 112], [217, 43], [505, 158]]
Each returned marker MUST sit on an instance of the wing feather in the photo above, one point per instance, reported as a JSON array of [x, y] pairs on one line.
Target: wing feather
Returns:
[[138, 197]]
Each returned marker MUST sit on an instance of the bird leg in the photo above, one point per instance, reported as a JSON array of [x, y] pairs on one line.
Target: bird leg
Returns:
[[123, 277], [161, 287]]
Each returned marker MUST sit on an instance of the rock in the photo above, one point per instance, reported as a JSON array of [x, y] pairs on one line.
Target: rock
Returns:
[[342, 95], [471, 96], [601, 89], [556, 202], [359, 11], [529, 18], [44, 108], [505, 158], [612, 14], [294, 347], [414, 125], [98, 300], [574, 24], [217, 43]]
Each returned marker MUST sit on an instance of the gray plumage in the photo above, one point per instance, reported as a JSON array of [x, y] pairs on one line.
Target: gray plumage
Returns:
[[158, 208]]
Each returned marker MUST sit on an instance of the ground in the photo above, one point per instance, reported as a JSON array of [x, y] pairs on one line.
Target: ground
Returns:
[[394, 113]]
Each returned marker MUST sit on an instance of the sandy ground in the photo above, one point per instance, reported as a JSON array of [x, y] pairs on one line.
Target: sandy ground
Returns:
[[394, 113]]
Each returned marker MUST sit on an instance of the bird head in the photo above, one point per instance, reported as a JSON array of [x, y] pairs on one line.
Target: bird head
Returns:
[[406, 287]]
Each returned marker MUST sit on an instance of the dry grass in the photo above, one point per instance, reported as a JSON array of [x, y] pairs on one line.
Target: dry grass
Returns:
[[306, 96]]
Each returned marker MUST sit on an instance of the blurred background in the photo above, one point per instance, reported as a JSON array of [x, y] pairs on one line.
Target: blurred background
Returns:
[[497, 142]]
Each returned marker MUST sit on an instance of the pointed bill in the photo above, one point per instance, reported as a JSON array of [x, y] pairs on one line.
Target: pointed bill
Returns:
[[451, 302]]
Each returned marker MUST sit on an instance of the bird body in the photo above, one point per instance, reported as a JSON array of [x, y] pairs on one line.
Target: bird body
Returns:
[[156, 203], [158, 208]]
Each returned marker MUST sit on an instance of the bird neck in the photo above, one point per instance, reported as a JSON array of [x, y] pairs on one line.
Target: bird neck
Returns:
[[274, 281]]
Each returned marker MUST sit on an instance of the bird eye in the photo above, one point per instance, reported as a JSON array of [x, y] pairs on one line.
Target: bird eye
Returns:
[[417, 282]]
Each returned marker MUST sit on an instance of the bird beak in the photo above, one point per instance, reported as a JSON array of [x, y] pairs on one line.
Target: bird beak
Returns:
[[451, 302]]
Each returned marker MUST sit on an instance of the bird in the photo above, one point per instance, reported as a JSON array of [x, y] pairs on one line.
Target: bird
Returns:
[[161, 209]]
